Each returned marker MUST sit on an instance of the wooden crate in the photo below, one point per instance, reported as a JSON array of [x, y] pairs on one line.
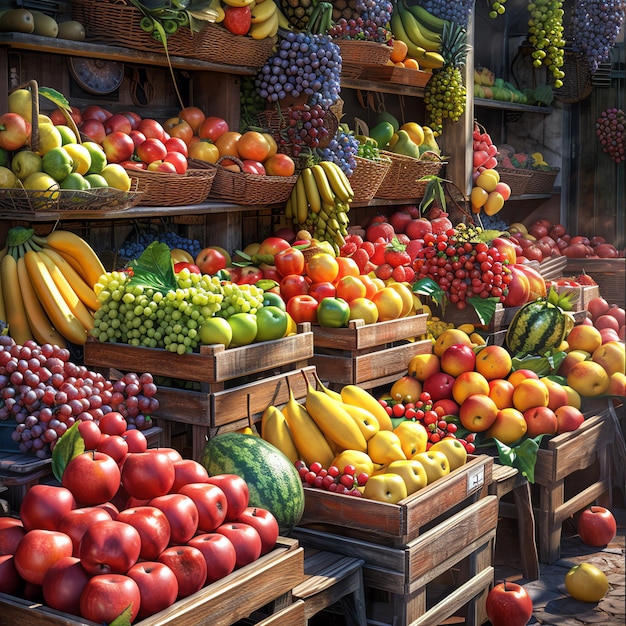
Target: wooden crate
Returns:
[[457, 317], [230, 599], [215, 369], [572, 472], [582, 295], [610, 274], [368, 355], [398, 524], [445, 571]]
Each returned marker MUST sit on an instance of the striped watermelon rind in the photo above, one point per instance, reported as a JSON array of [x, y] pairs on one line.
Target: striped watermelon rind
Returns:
[[537, 327], [272, 479]]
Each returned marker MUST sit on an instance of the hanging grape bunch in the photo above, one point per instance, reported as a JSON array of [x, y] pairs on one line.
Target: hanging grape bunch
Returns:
[[610, 127], [497, 8], [376, 16], [444, 94], [342, 150], [304, 126], [545, 30], [457, 11], [595, 27]]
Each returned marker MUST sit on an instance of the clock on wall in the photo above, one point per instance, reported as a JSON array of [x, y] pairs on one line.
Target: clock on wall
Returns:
[[96, 76]]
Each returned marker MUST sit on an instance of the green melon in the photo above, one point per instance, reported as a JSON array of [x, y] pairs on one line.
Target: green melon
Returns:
[[537, 327], [272, 479]]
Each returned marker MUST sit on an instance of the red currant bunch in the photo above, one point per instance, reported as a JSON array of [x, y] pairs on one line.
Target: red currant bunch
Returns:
[[332, 479]]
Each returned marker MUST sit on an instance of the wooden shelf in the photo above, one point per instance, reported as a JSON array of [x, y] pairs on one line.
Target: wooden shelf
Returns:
[[511, 106], [382, 87], [49, 45]]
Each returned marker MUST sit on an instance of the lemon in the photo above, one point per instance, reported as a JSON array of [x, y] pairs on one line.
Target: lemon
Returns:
[[49, 138], [81, 157], [216, 330], [587, 583], [47, 190], [98, 157], [116, 176], [8, 180]]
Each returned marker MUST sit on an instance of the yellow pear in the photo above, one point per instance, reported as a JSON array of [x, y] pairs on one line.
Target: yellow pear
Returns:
[[384, 447]]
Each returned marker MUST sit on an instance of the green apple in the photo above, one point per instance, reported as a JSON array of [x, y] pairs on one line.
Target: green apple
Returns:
[[244, 328], [67, 134], [8, 180], [4, 157], [75, 181], [58, 163], [96, 180], [98, 157], [215, 330], [26, 162]]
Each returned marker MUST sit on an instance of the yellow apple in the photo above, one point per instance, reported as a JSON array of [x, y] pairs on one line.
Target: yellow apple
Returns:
[[412, 472], [413, 437], [435, 463], [384, 447], [386, 487], [453, 449], [612, 356], [588, 378]]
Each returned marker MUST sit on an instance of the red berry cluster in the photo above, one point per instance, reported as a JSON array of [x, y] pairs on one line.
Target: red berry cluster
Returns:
[[463, 270], [332, 478], [484, 150], [360, 251], [437, 426]]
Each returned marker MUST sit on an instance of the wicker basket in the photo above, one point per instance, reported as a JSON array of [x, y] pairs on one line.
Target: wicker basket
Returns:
[[577, 82], [165, 189], [516, 179], [402, 179], [245, 188], [355, 52], [116, 22], [541, 182], [367, 177]]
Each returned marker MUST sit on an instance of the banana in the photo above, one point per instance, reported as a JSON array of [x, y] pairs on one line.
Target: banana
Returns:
[[335, 180], [426, 18], [312, 192], [267, 28], [275, 430], [283, 22], [66, 323], [3, 312], [13, 301], [65, 241], [301, 208], [323, 184], [68, 293], [86, 294], [289, 212], [420, 36], [431, 61], [333, 420], [367, 423], [262, 12], [397, 28], [38, 321], [238, 3], [309, 439], [353, 394]]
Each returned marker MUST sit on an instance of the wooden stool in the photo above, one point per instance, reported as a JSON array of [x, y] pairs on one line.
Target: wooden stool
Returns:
[[506, 479], [333, 578]]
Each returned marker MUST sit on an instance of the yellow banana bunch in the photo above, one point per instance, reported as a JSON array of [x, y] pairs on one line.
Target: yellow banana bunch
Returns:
[[320, 202], [274, 429], [421, 45], [264, 18], [46, 286]]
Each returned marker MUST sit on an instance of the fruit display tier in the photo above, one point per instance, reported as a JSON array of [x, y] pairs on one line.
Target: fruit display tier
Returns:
[[413, 583], [266, 580], [214, 369], [369, 355]]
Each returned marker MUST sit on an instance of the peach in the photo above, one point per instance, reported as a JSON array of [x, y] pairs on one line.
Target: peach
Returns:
[[557, 396], [421, 366], [493, 362], [571, 358], [448, 338], [568, 418], [597, 306], [573, 397], [458, 358], [468, 384], [617, 384], [607, 321], [516, 377], [530, 393], [478, 412], [446, 406], [608, 334], [612, 356], [508, 427], [618, 313], [588, 378], [501, 392], [540, 420], [586, 338]]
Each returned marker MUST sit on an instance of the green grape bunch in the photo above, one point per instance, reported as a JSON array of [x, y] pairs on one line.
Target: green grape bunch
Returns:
[[545, 29], [497, 8], [239, 299]]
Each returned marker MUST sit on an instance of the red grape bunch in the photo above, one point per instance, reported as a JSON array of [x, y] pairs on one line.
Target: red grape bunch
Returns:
[[610, 130], [44, 393], [304, 128], [332, 478]]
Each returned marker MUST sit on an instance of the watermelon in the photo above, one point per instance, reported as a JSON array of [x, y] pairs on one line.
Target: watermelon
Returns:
[[537, 327], [272, 479]]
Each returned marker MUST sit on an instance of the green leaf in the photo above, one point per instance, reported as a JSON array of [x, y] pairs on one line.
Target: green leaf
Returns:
[[56, 97], [428, 287], [71, 444], [154, 269], [124, 618], [523, 456], [485, 308]]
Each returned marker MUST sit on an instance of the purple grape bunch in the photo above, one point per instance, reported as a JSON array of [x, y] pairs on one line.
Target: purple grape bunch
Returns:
[[457, 12], [595, 27], [304, 64], [376, 11], [610, 127], [304, 127], [342, 150]]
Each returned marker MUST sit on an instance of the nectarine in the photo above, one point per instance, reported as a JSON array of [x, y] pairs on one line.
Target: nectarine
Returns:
[[540, 420], [508, 427], [588, 379], [612, 356], [568, 418], [501, 392], [458, 358], [586, 338], [478, 412], [493, 362], [448, 338], [468, 384], [530, 393]]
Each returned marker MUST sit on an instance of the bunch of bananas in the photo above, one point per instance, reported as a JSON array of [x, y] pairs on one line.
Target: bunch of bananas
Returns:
[[266, 19], [320, 202], [46, 286], [421, 32]]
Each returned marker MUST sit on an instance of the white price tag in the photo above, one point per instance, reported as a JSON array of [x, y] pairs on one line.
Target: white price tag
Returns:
[[476, 479]]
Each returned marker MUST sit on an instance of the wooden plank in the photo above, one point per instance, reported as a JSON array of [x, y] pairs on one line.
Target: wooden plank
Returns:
[[293, 615]]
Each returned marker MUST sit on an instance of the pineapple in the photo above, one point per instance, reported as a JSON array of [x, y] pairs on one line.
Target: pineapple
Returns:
[[444, 94], [298, 12]]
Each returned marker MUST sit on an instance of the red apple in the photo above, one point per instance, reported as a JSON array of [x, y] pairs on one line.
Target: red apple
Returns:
[[95, 112], [44, 506], [11, 582], [236, 490], [265, 523], [158, 586], [11, 533], [478, 412], [118, 147], [76, 522], [63, 585], [182, 514], [245, 539], [568, 418], [458, 358], [106, 596], [219, 554], [211, 503], [153, 527], [109, 547], [38, 551], [189, 567], [188, 471], [117, 123], [508, 604], [596, 526], [540, 421], [439, 386], [148, 474]]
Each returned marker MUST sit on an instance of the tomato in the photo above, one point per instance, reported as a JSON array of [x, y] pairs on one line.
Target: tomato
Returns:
[[273, 299], [303, 308], [279, 165], [212, 128], [322, 267], [333, 313], [237, 20], [176, 144], [322, 290], [204, 150], [194, 116], [350, 287], [347, 267], [293, 285], [178, 160], [289, 261], [272, 246], [253, 145], [227, 143], [178, 127]]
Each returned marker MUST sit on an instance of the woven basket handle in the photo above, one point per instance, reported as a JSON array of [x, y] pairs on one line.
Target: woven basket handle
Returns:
[[229, 157], [32, 86], [361, 127]]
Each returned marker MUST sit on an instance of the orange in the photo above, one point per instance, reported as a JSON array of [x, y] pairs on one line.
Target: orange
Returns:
[[399, 51], [399, 64], [412, 64]]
